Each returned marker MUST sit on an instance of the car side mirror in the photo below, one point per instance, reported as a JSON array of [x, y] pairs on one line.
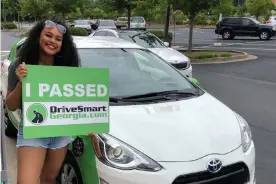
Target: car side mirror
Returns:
[[166, 44], [194, 81]]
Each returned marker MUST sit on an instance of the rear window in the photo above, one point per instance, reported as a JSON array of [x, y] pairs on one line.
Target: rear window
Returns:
[[137, 19], [122, 19]]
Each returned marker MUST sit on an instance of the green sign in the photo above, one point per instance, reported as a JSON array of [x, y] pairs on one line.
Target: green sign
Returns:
[[65, 101]]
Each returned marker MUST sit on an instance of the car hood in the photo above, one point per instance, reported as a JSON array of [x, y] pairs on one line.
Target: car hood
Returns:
[[177, 131], [266, 25], [169, 54]]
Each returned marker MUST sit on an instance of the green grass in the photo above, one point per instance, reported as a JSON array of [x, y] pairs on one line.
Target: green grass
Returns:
[[207, 54]]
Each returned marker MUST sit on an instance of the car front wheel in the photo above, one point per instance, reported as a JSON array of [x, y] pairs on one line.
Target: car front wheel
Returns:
[[10, 130], [70, 172], [226, 34], [264, 35]]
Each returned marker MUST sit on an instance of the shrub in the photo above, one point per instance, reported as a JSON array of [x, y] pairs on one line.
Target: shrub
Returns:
[[78, 31], [9, 25]]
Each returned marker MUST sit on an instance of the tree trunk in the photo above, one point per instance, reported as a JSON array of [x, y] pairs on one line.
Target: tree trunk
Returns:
[[128, 16], [192, 19], [167, 24]]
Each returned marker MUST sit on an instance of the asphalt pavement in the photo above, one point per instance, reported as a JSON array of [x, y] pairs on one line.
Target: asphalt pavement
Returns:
[[247, 87]]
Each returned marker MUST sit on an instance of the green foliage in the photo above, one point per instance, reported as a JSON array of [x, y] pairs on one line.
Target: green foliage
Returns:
[[259, 8], [191, 8], [9, 25], [226, 7], [35, 8], [78, 31], [207, 54], [201, 19]]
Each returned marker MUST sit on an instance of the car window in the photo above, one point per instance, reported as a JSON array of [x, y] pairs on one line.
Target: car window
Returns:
[[137, 19], [106, 23], [146, 40], [135, 71], [246, 22], [81, 22], [234, 21], [110, 34], [122, 19], [100, 33]]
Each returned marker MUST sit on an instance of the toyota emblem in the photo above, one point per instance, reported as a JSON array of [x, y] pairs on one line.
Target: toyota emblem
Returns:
[[214, 165]]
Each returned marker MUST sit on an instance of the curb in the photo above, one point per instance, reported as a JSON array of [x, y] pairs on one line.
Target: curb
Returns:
[[226, 60], [221, 60]]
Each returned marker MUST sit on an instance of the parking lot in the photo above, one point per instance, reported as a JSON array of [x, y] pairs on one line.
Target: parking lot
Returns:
[[247, 87]]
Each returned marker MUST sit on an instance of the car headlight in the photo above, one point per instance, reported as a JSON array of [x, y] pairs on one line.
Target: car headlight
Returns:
[[246, 134], [274, 28], [117, 154]]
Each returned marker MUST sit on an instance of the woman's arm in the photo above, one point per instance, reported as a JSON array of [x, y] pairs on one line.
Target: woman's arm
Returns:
[[13, 98]]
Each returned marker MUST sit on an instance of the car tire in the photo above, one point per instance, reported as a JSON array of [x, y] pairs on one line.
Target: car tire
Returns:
[[10, 130], [70, 165], [264, 35], [226, 34]]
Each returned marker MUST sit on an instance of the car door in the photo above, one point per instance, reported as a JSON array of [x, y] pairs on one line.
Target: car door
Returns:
[[249, 27], [235, 24]]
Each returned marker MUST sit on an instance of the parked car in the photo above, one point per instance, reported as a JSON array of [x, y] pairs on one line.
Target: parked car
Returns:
[[83, 24], [121, 22], [106, 24], [138, 22], [229, 27], [154, 44], [164, 129], [272, 20]]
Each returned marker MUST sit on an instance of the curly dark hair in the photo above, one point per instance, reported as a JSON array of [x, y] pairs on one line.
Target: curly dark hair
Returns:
[[29, 52]]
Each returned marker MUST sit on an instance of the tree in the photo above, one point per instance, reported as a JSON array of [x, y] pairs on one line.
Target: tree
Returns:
[[191, 8], [225, 7], [259, 8], [35, 8], [64, 6], [11, 7]]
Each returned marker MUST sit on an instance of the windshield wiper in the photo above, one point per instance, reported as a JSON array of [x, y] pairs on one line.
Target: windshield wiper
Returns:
[[162, 93]]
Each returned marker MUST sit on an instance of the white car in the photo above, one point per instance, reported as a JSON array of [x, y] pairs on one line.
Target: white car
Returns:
[[83, 24], [164, 129], [271, 20], [138, 22], [154, 44]]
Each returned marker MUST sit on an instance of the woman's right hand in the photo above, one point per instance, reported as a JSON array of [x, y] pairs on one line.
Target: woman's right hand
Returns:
[[21, 71]]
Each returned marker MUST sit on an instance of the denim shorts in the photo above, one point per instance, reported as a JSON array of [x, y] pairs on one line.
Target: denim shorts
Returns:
[[50, 143]]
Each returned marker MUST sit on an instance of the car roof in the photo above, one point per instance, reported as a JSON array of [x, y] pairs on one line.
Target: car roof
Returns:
[[97, 42], [103, 42], [128, 31]]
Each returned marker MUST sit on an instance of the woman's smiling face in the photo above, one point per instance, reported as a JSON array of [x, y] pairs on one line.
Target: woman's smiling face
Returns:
[[50, 40]]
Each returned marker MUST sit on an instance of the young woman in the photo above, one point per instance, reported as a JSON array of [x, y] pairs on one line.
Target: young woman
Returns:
[[49, 43]]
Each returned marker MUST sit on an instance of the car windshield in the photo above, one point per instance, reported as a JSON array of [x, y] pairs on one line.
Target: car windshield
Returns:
[[106, 23], [81, 22], [146, 40], [135, 71], [137, 19]]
